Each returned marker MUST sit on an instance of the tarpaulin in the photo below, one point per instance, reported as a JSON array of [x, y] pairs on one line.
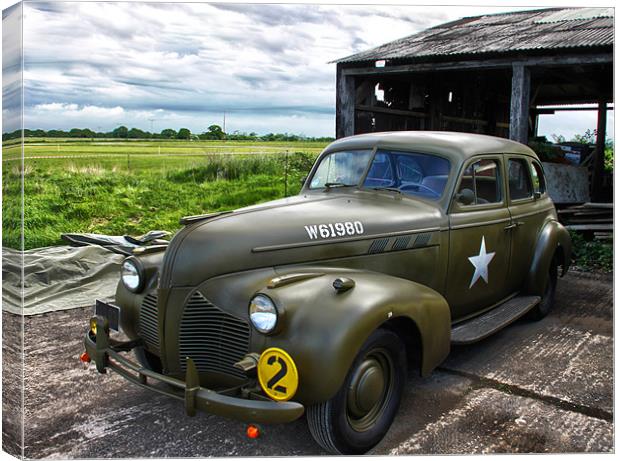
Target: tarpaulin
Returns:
[[123, 244], [57, 278]]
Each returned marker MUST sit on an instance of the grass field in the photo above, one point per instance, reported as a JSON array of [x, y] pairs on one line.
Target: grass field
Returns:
[[131, 187]]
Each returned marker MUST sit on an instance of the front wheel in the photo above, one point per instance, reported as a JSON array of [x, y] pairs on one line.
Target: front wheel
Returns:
[[548, 299], [362, 411]]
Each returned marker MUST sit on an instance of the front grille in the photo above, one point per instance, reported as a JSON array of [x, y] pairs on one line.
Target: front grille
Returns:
[[147, 326], [214, 339]]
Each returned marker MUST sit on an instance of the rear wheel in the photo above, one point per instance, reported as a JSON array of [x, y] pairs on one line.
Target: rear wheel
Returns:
[[362, 411], [546, 303]]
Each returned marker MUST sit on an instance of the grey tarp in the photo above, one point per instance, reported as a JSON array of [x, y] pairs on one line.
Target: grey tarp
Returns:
[[57, 278]]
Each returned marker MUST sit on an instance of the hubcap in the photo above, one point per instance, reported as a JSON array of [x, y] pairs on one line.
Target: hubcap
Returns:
[[369, 390], [366, 387]]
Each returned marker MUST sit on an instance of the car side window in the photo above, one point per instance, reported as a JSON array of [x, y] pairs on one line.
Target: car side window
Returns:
[[538, 178], [519, 181], [483, 178]]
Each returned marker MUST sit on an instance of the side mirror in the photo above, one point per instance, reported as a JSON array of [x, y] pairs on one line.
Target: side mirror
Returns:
[[303, 180], [537, 195], [466, 197]]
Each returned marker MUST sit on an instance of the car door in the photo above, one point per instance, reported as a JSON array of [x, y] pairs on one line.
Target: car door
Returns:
[[479, 253], [528, 204]]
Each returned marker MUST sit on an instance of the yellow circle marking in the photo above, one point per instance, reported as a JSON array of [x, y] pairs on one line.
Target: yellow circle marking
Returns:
[[277, 374]]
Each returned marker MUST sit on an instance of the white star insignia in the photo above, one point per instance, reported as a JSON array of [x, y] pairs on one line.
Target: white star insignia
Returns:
[[481, 263]]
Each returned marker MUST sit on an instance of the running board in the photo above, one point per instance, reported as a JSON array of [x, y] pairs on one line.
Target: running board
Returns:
[[492, 321]]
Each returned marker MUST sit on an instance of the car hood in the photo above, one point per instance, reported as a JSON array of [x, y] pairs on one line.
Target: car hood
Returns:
[[301, 229]]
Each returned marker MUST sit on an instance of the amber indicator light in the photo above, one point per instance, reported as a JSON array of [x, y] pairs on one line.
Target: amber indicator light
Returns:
[[253, 432]]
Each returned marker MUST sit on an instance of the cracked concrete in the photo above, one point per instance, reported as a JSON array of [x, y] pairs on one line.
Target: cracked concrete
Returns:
[[534, 387]]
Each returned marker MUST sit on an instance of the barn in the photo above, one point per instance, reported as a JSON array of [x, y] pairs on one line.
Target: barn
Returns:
[[491, 74]]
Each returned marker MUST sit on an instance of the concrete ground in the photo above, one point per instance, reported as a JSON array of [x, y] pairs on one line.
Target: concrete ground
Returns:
[[534, 387]]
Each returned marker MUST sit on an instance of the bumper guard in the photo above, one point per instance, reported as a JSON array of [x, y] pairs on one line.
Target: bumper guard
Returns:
[[106, 354]]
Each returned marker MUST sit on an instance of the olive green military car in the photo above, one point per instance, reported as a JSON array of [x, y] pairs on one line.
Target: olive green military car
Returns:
[[398, 246]]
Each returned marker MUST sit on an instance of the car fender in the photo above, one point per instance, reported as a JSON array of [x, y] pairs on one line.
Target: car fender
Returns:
[[323, 329], [553, 240]]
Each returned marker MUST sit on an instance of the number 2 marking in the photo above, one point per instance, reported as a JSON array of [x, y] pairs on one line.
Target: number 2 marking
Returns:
[[273, 382]]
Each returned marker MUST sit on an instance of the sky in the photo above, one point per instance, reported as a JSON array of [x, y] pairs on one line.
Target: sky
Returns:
[[158, 65]]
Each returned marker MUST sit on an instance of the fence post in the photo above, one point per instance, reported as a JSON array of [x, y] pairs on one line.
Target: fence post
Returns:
[[286, 173]]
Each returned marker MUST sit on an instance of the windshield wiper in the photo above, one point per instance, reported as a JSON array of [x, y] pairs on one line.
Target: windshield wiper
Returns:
[[329, 185], [392, 189]]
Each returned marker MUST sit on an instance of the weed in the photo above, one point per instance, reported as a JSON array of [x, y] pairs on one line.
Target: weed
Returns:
[[592, 254]]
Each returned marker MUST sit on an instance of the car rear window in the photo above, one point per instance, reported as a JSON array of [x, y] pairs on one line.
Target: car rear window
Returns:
[[519, 181], [538, 178]]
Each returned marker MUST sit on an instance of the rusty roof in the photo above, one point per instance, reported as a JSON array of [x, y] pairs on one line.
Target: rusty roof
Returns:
[[547, 29]]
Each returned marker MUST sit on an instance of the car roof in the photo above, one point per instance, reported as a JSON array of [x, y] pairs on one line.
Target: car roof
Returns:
[[459, 146]]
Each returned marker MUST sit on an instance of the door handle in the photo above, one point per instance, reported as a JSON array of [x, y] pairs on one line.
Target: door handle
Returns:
[[514, 225]]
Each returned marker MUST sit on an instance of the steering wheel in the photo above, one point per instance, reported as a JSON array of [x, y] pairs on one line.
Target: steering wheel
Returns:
[[418, 187]]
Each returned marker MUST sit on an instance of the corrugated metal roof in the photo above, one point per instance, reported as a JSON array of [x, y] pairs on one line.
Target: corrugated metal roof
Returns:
[[552, 28], [579, 14]]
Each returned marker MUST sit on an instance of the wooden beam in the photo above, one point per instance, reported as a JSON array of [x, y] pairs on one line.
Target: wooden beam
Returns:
[[551, 110], [469, 121], [520, 103], [345, 104], [389, 111], [553, 61], [434, 106], [599, 153], [573, 100]]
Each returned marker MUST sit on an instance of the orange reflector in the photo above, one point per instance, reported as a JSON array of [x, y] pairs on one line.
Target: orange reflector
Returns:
[[84, 357], [253, 432]]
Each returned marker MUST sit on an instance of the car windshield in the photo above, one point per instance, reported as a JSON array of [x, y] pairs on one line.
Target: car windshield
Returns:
[[411, 173], [341, 169]]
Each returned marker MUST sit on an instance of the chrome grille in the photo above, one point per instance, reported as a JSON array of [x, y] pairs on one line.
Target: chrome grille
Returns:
[[147, 327], [214, 339]]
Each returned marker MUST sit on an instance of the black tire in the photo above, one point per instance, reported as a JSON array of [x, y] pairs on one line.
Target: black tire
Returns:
[[345, 424], [546, 303], [148, 360]]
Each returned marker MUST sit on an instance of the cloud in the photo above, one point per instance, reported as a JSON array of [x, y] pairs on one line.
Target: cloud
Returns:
[[99, 64], [11, 69], [73, 110], [278, 15], [177, 58], [308, 120]]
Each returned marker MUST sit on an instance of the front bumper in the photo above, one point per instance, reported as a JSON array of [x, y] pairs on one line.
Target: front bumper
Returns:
[[106, 353]]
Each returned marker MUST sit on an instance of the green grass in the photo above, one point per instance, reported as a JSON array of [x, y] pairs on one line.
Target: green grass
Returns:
[[36, 148], [116, 188]]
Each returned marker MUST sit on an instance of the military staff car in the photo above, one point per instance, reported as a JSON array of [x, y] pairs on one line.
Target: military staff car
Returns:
[[398, 246]]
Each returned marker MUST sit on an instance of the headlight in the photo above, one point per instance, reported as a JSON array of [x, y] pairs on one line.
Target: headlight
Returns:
[[132, 275], [263, 313]]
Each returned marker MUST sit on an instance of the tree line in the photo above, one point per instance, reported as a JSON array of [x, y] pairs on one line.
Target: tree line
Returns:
[[214, 132]]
